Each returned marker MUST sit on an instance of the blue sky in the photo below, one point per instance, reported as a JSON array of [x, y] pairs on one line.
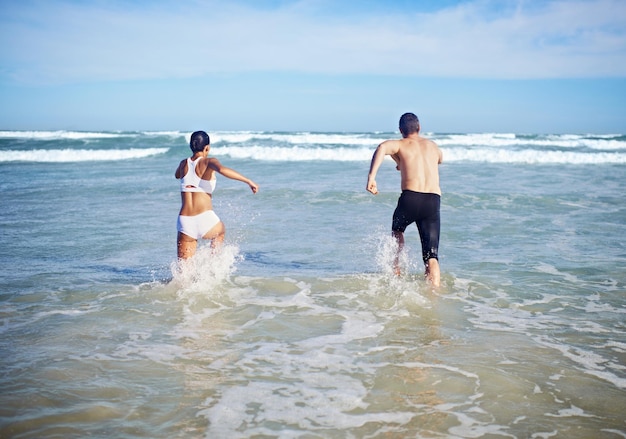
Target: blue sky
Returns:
[[525, 66]]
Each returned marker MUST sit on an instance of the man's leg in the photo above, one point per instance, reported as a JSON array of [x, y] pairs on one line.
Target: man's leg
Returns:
[[399, 237], [429, 228], [432, 272]]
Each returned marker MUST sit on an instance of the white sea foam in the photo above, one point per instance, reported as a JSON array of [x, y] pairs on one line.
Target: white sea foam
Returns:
[[590, 362], [531, 156], [304, 138], [350, 147], [489, 140], [301, 153], [78, 155], [571, 412], [567, 141], [67, 135], [297, 153], [174, 134]]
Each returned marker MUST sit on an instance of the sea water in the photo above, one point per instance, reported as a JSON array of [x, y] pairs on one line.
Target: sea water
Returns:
[[297, 327]]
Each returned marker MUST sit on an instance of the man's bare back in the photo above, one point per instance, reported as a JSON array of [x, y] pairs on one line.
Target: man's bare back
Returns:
[[416, 158]]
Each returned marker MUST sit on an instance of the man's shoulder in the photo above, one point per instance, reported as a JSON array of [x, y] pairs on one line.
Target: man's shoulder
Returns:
[[391, 141], [391, 145], [428, 143], [414, 142], [426, 140]]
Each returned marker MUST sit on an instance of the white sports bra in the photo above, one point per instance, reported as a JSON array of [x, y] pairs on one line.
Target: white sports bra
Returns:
[[190, 182]]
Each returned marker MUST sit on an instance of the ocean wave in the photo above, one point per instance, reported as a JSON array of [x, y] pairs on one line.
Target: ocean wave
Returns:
[[300, 138], [599, 142], [63, 135], [532, 156], [68, 146], [173, 134], [608, 142], [487, 155], [294, 153], [78, 155], [489, 140], [565, 141]]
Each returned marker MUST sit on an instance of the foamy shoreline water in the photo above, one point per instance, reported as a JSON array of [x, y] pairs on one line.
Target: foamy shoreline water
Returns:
[[297, 328]]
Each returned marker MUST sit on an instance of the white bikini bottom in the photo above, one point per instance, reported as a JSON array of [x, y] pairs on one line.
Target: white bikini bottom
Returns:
[[198, 225]]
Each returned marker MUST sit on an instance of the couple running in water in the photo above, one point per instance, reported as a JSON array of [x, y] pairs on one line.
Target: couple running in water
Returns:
[[416, 157]]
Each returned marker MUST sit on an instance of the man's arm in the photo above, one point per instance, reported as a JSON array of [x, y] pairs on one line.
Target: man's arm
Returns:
[[396, 158], [386, 148]]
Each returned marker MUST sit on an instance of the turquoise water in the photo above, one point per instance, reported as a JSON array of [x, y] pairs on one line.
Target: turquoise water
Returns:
[[297, 329]]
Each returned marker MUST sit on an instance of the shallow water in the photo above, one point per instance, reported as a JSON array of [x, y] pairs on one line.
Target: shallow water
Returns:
[[296, 328]]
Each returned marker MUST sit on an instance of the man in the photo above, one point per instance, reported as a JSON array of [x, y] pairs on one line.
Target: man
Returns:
[[418, 160]]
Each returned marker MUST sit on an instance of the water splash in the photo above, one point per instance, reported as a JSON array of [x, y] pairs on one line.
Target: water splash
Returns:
[[386, 253], [207, 270], [406, 289]]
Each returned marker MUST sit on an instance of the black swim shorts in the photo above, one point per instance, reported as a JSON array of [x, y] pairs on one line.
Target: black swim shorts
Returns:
[[422, 209]]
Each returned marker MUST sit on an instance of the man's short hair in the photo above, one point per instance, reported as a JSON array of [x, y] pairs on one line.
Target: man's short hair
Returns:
[[199, 139], [409, 123]]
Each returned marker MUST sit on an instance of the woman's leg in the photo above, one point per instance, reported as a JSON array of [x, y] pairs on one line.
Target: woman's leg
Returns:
[[216, 234], [186, 246]]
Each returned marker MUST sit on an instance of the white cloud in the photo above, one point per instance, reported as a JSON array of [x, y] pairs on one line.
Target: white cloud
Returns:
[[64, 41]]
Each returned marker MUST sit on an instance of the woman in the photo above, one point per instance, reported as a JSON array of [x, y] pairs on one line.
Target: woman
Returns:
[[197, 182]]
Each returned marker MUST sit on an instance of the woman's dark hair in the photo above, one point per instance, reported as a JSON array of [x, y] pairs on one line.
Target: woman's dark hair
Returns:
[[199, 139]]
